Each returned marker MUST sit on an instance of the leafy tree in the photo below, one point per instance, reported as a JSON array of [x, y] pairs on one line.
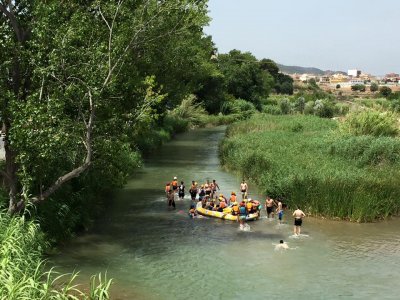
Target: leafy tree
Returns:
[[385, 91], [300, 104], [244, 78], [374, 87], [285, 106], [77, 82], [358, 87]]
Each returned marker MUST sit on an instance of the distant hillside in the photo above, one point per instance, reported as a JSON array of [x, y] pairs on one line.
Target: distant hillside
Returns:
[[308, 70]]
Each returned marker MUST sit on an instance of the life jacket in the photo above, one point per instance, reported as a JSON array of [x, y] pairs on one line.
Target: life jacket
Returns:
[[249, 206], [175, 183], [242, 211], [235, 208], [232, 198]]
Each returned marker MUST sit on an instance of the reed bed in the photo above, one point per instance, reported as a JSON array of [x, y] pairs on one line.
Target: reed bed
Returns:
[[22, 271], [304, 161]]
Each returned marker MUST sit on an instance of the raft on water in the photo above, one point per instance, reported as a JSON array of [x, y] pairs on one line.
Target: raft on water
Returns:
[[223, 215]]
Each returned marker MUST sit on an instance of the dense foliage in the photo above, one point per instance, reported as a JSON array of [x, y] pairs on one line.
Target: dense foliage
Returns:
[[306, 161]]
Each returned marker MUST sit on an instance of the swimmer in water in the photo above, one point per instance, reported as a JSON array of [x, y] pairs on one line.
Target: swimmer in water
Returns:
[[281, 246]]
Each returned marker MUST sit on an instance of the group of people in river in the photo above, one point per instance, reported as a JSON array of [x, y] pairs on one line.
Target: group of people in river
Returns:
[[211, 200]]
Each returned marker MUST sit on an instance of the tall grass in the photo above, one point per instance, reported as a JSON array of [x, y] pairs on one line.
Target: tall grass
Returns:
[[22, 270], [303, 160]]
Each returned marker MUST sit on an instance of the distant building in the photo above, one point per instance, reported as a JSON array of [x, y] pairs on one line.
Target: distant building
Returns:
[[392, 77], [356, 81], [307, 77], [354, 73], [339, 78], [324, 80]]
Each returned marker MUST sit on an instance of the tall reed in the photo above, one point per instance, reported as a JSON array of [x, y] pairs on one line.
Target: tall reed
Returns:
[[304, 161], [22, 271]]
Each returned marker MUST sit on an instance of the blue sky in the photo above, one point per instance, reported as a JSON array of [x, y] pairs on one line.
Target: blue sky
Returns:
[[334, 35]]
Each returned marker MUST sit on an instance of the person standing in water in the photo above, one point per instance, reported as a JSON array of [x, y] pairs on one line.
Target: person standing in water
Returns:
[[244, 189], [214, 185], [269, 206], [171, 198], [298, 215], [242, 214], [193, 190], [181, 191], [279, 211]]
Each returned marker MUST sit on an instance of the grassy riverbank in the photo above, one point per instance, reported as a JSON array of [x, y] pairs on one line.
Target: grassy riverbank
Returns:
[[304, 160]]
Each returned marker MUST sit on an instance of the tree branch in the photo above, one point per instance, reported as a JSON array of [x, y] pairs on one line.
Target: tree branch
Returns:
[[77, 171]]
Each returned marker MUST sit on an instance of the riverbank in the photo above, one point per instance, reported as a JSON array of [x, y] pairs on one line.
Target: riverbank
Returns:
[[301, 160]]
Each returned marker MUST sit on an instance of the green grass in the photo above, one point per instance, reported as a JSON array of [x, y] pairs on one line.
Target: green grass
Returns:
[[304, 161], [22, 271]]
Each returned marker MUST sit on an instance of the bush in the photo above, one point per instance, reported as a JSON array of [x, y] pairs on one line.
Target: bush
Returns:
[[370, 122], [309, 108], [323, 109], [271, 109], [285, 106], [385, 91], [374, 87]]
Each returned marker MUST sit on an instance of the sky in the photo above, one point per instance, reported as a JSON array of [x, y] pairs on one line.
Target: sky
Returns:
[[331, 35]]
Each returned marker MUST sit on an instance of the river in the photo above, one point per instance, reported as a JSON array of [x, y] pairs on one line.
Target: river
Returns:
[[155, 253]]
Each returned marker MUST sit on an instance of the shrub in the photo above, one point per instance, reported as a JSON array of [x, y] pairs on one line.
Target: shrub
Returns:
[[385, 91], [271, 109], [285, 106], [370, 122]]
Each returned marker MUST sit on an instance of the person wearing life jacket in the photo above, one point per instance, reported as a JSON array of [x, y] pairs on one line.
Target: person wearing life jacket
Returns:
[[235, 209], [242, 213], [232, 199], [174, 184], [249, 206], [193, 190], [222, 203], [181, 191]]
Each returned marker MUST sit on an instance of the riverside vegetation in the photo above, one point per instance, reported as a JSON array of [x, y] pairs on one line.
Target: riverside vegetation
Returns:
[[86, 89], [345, 169]]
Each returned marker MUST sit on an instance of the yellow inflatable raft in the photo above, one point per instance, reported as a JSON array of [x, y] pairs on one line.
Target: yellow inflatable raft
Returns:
[[226, 215]]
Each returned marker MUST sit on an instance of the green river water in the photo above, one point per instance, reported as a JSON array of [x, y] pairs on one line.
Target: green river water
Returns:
[[156, 253]]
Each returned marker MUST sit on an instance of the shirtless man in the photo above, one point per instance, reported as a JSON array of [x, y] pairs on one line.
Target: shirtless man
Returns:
[[244, 189], [269, 206], [281, 246], [279, 211], [298, 215], [214, 185]]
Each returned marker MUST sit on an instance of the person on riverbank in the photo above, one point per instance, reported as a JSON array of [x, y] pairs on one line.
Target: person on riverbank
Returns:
[[298, 215], [193, 190], [269, 206], [244, 189], [181, 191], [171, 198], [279, 211]]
